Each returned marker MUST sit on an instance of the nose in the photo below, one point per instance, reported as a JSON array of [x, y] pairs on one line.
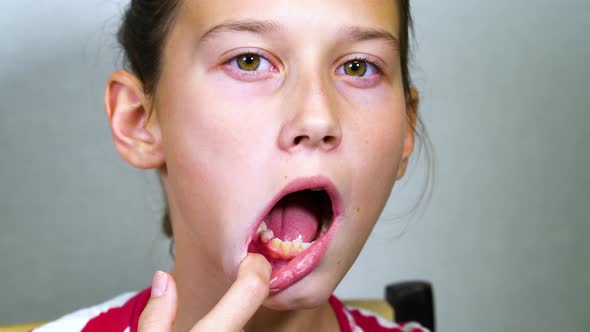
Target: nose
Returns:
[[312, 120]]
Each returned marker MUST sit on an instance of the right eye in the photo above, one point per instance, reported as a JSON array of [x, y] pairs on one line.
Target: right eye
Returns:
[[251, 62]]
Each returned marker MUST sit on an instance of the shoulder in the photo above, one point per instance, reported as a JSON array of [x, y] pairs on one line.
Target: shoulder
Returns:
[[116, 314], [353, 319]]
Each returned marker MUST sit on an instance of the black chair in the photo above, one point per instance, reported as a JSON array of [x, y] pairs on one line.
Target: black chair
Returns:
[[412, 301]]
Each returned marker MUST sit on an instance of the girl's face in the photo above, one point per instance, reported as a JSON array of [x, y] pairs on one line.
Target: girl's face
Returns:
[[259, 99]]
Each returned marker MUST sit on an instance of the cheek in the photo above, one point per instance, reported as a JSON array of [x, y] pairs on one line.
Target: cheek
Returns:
[[376, 157], [214, 148], [379, 132], [377, 128], [211, 125]]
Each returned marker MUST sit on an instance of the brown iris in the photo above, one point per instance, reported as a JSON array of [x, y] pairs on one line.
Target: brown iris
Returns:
[[249, 62], [355, 68]]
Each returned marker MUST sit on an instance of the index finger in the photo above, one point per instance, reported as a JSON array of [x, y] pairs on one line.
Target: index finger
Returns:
[[243, 298]]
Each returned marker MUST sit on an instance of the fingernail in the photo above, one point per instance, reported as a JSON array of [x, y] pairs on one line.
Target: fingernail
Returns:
[[159, 284]]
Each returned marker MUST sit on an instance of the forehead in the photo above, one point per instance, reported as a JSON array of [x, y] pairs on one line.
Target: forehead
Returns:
[[302, 18]]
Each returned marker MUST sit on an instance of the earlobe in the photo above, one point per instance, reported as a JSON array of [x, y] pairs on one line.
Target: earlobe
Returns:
[[137, 140], [412, 103]]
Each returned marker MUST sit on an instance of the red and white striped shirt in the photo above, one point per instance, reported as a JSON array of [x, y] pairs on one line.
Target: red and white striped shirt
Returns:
[[121, 314]]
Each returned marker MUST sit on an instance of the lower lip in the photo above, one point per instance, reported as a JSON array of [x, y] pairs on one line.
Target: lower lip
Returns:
[[300, 266]]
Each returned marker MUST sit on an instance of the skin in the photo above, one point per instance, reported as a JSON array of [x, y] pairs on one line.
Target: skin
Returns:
[[224, 144]]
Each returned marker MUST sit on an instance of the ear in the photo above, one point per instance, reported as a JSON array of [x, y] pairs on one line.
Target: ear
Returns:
[[136, 134], [411, 114]]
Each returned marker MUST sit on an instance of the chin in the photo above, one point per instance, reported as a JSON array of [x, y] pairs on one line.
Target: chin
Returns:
[[308, 293]]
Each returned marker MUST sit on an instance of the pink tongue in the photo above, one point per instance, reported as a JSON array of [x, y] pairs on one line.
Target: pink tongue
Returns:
[[294, 215]]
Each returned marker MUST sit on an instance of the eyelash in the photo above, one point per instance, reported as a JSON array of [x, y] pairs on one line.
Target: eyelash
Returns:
[[365, 59], [364, 80], [237, 56], [369, 61]]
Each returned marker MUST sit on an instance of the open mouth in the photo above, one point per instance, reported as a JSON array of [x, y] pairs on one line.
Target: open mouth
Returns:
[[294, 224], [294, 233]]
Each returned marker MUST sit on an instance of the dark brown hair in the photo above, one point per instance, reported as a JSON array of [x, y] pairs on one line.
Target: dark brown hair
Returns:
[[143, 33]]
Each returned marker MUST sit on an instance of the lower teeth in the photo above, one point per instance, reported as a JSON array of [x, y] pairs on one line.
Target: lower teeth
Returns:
[[281, 249]]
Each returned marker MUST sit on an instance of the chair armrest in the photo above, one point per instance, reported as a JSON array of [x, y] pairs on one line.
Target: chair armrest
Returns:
[[412, 301], [380, 307], [21, 327]]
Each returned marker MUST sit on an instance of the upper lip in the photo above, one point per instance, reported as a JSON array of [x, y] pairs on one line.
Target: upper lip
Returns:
[[299, 184]]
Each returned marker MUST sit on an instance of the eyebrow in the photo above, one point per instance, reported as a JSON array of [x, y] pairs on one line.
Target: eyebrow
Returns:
[[265, 27], [262, 27], [358, 34]]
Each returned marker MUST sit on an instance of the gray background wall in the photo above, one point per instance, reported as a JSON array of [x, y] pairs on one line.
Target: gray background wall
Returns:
[[505, 88]]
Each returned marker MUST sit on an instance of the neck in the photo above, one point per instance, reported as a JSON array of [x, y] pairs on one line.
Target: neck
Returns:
[[317, 319], [198, 287]]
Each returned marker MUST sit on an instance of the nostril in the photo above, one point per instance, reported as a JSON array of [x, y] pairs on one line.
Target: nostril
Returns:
[[327, 140], [330, 140], [297, 140]]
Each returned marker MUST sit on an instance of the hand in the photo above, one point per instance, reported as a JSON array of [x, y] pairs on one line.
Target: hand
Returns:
[[232, 312]]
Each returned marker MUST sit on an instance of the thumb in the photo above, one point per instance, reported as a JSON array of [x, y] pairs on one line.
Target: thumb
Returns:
[[160, 311], [242, 299]]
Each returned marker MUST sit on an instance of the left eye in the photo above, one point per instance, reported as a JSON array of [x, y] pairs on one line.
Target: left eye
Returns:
[[251, 62], [357, 68]]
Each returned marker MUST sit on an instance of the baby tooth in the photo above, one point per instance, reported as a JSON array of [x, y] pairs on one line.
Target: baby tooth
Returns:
[[305, 245], [262, 227], [266, 235], [276, 243], [297, 245], [286, 247]]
